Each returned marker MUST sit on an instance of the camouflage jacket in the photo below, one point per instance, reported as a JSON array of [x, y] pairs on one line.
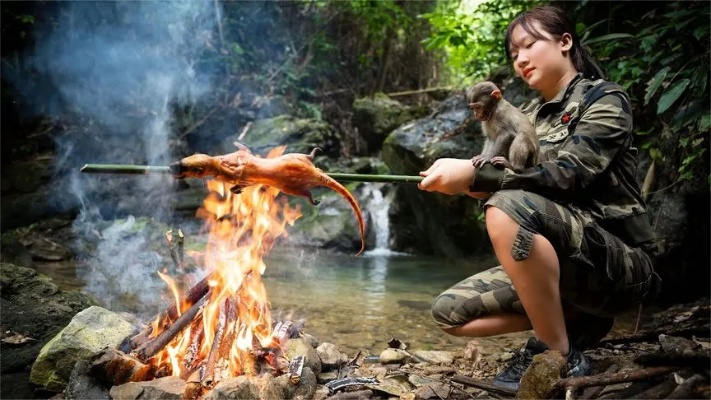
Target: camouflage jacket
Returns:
[[587, 158]]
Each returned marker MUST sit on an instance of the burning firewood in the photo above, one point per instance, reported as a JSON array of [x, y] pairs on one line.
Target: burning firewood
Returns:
[[193, 295], [151, 348], [114, 367]]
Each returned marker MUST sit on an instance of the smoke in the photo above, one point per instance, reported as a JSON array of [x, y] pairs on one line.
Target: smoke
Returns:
[[122, 68]]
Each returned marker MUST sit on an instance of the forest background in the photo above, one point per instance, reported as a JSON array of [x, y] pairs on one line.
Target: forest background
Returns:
[[313, 59]]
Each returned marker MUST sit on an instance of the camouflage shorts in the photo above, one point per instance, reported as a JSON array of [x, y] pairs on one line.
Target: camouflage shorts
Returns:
[[599, 274]]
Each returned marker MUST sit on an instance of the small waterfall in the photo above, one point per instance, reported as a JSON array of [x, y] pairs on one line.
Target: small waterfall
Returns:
[[377, 206]]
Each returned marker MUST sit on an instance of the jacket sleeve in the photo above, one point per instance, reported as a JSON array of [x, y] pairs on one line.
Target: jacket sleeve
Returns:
[[601, 132]]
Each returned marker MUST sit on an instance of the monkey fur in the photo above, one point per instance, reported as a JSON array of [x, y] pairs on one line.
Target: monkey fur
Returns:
[[511, 140]]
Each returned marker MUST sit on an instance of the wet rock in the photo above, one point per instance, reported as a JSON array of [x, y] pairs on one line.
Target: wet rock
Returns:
[[87, 334], [33, 306], [538, 380]]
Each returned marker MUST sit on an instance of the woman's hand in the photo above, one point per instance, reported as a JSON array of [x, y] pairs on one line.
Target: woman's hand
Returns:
[[448, 176]]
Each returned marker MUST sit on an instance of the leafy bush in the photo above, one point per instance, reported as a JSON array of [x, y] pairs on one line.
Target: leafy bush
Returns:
[[472, 35], [665, 66]]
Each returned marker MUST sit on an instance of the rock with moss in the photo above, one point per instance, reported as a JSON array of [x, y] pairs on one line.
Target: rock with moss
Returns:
[[89, 332], [377, 116], [33, 307], [452, 225], [300, 135]]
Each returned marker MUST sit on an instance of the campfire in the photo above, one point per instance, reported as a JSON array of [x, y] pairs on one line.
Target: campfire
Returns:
[[221, 327]]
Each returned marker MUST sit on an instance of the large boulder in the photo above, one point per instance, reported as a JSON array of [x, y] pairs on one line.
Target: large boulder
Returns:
[[375, 117], [89, 332], [33, 307], [300, 135], [435, 223]]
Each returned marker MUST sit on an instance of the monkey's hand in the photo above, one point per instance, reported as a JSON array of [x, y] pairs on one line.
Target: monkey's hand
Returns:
[[500, 162], [478, 161]]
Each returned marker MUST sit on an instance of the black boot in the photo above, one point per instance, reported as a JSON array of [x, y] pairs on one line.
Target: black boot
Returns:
[[578, 364], [510, 378]]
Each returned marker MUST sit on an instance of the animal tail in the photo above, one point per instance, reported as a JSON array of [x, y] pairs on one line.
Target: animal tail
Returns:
[[340, 189]]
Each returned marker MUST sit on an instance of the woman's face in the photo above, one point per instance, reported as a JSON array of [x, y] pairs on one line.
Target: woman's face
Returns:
[[544, 64]]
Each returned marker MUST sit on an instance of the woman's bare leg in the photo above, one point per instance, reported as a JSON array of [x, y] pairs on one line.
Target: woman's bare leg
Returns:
[[492, 325], [536, 279]]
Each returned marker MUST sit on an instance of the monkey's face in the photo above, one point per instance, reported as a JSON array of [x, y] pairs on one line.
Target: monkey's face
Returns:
[[483, 98], [483, 107]]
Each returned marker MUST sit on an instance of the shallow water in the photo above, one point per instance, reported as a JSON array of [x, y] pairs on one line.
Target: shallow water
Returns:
[[360, 303]]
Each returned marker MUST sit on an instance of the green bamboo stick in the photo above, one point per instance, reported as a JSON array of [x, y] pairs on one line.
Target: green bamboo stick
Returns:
[[128, 169]]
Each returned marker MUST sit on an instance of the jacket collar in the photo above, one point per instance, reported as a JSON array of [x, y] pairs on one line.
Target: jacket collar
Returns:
[[565, 93]]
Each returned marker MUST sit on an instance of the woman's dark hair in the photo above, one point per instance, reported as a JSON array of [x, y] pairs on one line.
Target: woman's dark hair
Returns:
[[555, 22]]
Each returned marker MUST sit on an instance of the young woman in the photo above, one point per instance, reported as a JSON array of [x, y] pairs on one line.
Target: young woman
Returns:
[[571, 233]]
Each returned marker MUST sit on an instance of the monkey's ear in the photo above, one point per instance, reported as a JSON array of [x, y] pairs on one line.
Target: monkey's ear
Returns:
[[496, 93]]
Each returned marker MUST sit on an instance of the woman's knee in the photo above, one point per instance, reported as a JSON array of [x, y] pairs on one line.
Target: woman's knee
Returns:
[[443, 313], [499, 225]]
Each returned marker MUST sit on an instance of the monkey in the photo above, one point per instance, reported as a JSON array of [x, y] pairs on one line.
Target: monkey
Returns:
[[511, 140]]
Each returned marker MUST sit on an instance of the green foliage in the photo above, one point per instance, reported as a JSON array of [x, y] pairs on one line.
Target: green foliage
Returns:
[[472, 34], [666, 68]]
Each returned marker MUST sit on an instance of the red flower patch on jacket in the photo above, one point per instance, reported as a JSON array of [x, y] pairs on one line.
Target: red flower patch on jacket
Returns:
[[565, 118]]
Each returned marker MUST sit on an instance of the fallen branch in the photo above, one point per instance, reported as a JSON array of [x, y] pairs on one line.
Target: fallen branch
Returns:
[[653, 336], [465, 380], [617, 377], [417, 91], [686, 389], [594, 391], [658, 391]]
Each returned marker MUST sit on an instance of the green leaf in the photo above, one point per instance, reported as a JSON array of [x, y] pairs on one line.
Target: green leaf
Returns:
[[654, 84], [705, 123], [611, 36], [700, 31], [671, 95]]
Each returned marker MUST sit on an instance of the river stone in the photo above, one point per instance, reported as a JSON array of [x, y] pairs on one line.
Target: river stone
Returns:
[[299, 347], [87, 334], [306, 388], [330, 355], [434, 356], [393, 356], [241, 387], [169, 387]]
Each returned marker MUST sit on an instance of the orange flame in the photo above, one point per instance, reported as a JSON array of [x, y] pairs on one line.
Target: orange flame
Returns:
[[236, 317]]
